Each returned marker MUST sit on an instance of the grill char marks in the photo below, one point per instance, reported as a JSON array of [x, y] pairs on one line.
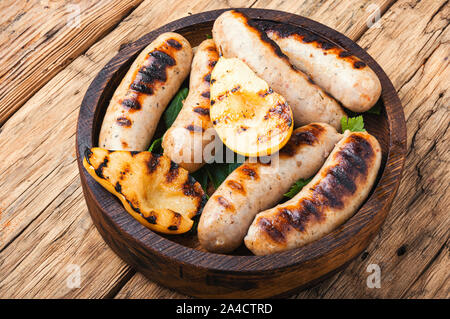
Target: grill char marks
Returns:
[[339, 182], [118, 187], [281, 110], [262, 35], [156, 69], [272, 231], [247, 172], [132, 104], [87, 154], [235, 89], [286, 31], [176, 221], [133, 207], [153, 162], [236, 186], [99, 169], [192, 188], [225, 203], [194, 128], [173, 172], [123, 121], [206, 94], [141, 87], [153, 71], [202, 111], [174, 43], [151, 219], [308, 135], [265, 92]]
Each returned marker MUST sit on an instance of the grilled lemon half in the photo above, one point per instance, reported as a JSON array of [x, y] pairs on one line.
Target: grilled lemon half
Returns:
[[153, 189], [248, 116]]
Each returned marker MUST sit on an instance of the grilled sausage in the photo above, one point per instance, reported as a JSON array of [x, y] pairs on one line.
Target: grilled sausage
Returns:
[[192, 130], [344, 76], [149, 85], [332, 196], [253, 187], [237, 36]]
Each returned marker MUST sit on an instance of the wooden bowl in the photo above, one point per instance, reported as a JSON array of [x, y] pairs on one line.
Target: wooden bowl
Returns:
[[176, 261]]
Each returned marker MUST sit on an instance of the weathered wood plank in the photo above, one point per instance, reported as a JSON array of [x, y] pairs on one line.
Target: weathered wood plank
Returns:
[[39, 179], [42, 261], [39, 38], [139, 287], [414, 52], [434, 282], [41, 173], [351, 18]]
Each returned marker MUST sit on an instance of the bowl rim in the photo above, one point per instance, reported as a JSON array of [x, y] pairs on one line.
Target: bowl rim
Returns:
[[380, 199]]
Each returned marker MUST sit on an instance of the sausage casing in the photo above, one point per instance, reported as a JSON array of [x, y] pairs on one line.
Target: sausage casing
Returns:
[[332, 196], [192, 130], [344, 76], [237, 36], [140, 99], [255, 186]]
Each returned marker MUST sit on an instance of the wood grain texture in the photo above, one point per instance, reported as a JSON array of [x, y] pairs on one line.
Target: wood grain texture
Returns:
[[139, 287], [55, 33], [41, 270], [34, 189], [352, 17], [434, 281], [39, 171], [414, 53]]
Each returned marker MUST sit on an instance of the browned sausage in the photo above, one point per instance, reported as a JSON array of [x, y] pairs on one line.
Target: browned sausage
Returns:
[[236, 36], [192, 130], [256, 186], [343, 75], [332, 196], [149, 85]]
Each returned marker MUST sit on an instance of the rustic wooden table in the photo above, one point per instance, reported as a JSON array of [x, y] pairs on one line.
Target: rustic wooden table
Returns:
[[50, 50]]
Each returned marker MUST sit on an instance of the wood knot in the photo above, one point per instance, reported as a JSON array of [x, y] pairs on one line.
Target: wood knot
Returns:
[[401, 251]]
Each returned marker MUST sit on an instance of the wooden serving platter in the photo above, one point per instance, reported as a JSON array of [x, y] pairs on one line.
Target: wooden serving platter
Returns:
[[177, 261]]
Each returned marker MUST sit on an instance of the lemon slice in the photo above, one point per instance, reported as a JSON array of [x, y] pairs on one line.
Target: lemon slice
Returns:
[[248, 116]]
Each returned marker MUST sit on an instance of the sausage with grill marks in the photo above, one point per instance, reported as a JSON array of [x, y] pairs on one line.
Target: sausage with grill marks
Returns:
[[332, 196], [253, 187], [192, 130], [236, 36], [346, 77], [149, 85]]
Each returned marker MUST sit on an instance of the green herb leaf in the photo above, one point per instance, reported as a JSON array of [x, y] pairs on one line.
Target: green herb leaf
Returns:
[[208, 36], [354, 124], [376, 109], [156, 146], [232, 167], [171, 113], [297, 187], [218, 172]]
